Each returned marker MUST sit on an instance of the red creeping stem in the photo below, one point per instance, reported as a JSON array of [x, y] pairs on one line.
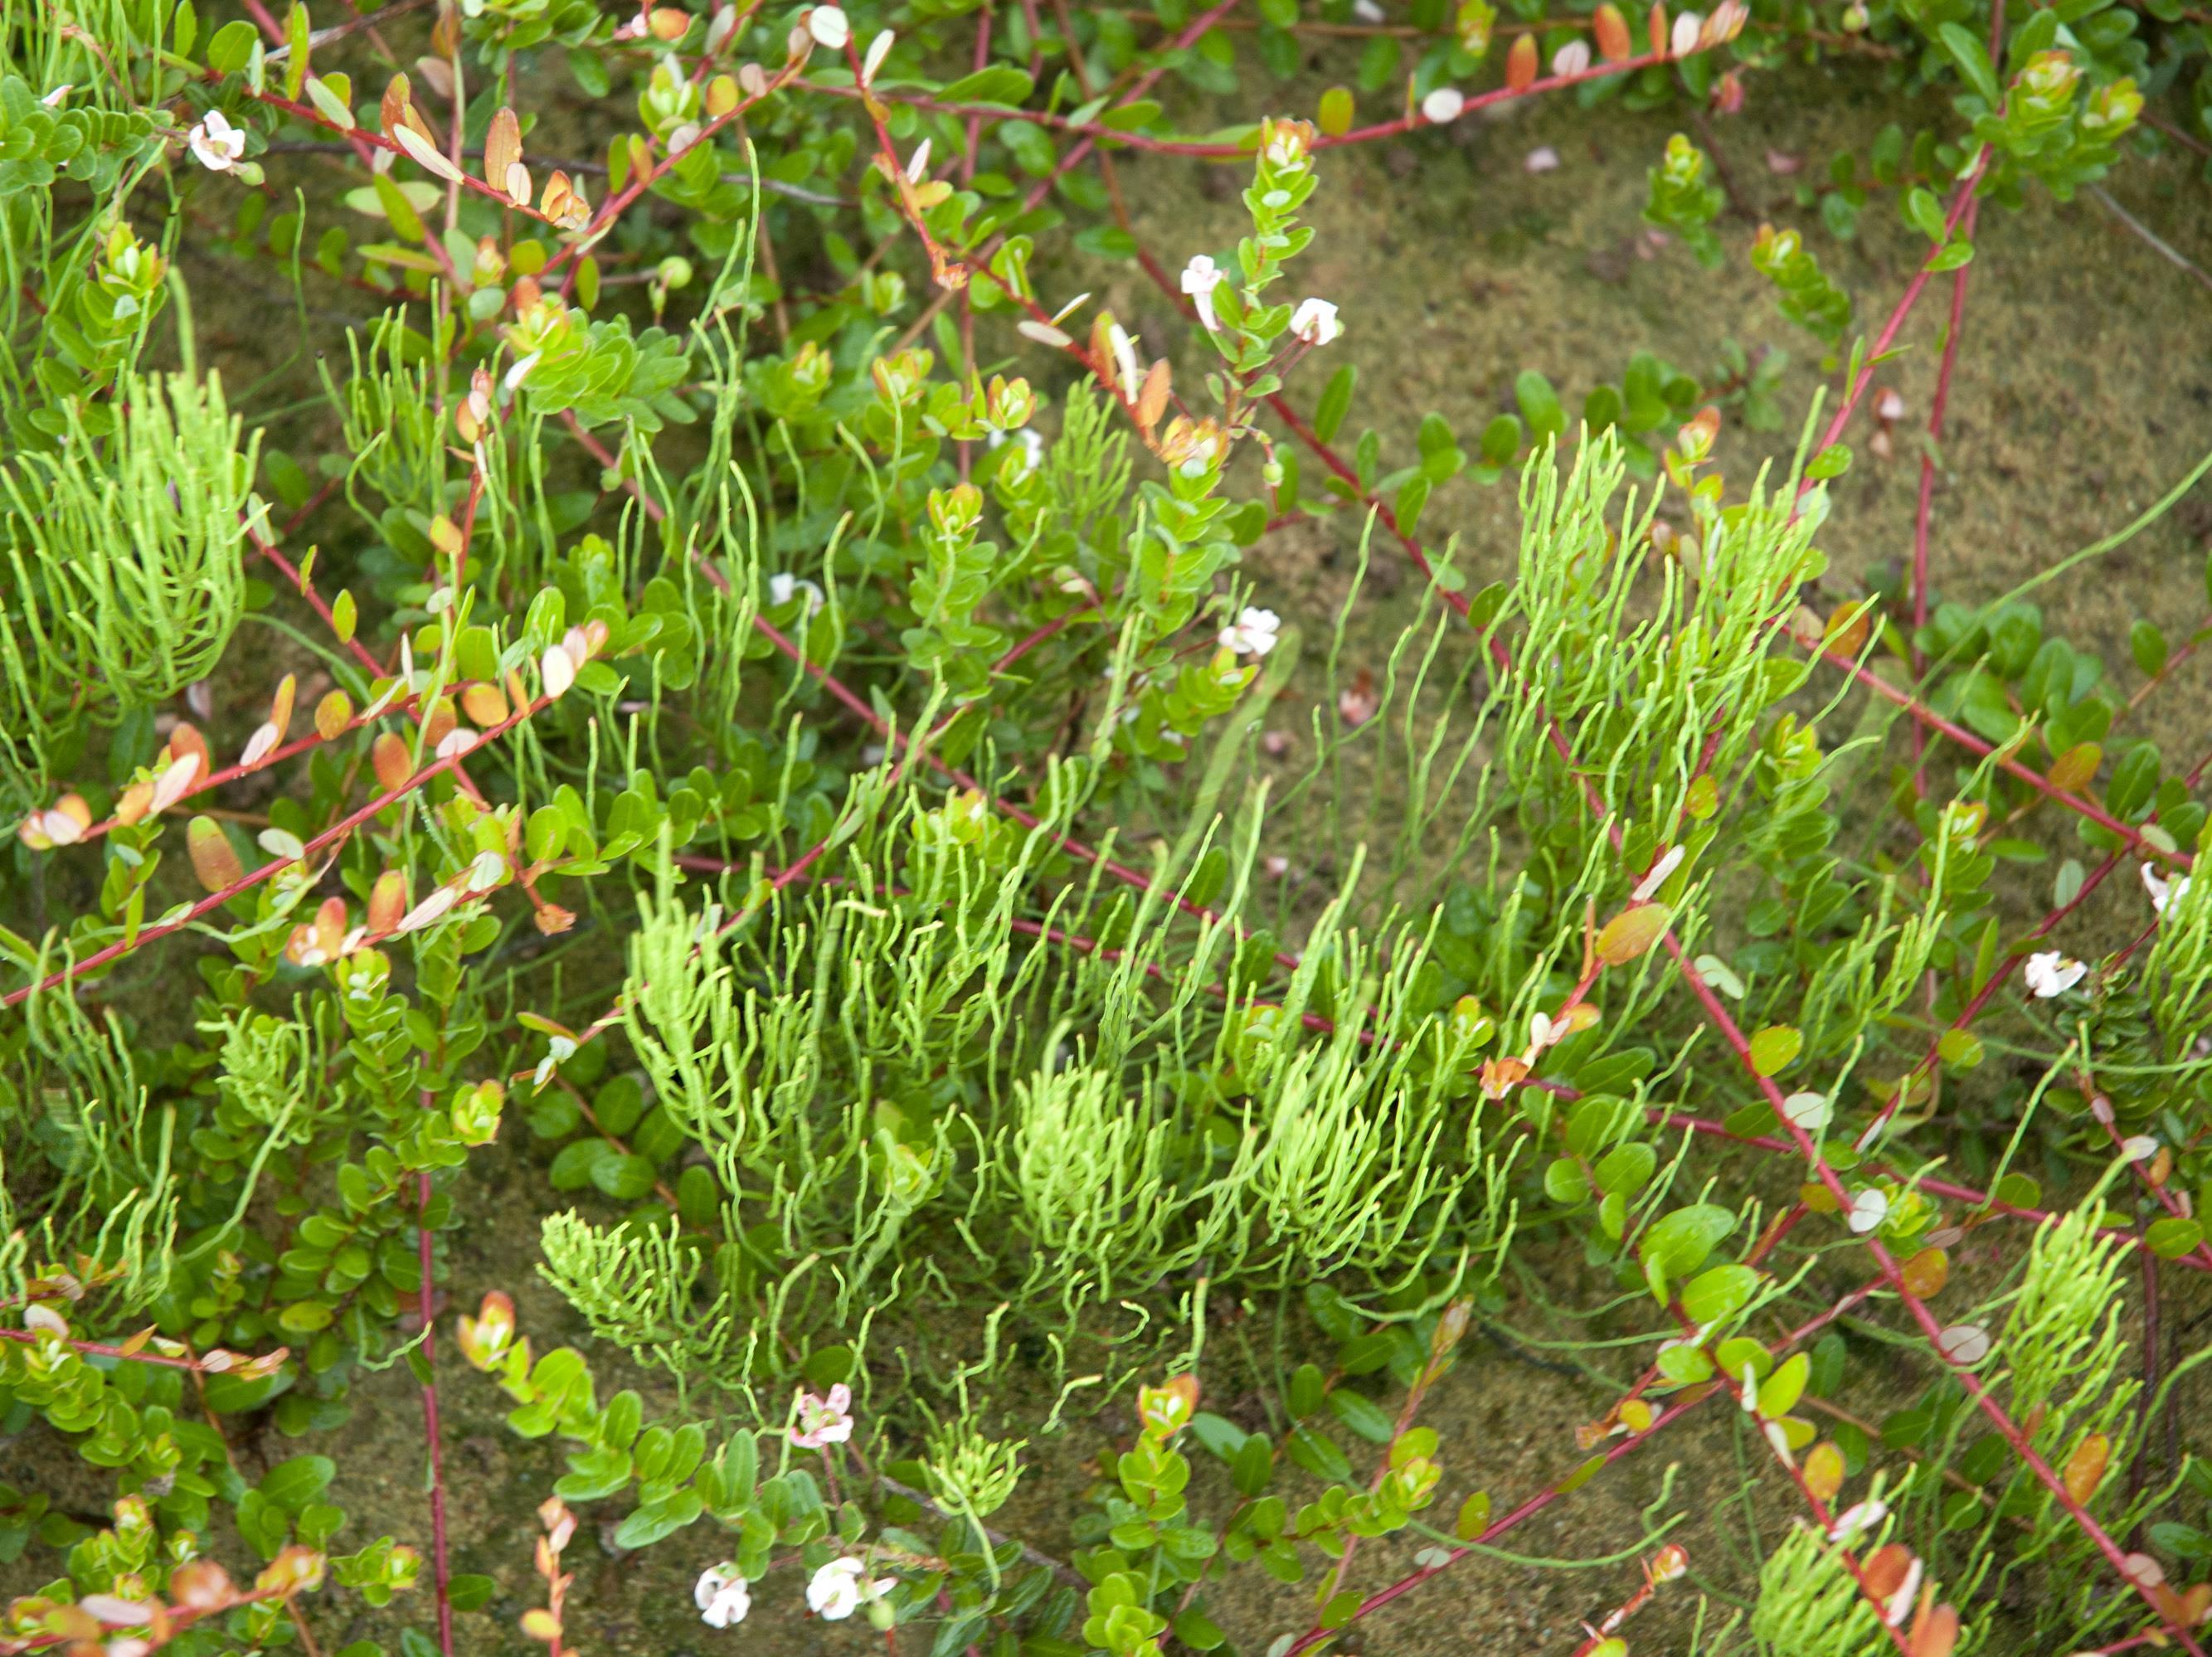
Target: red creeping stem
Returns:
[[1114, 137], [1925, 508], [330, 837]]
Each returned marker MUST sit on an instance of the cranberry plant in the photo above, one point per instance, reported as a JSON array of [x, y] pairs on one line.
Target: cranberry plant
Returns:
[[718, 701]]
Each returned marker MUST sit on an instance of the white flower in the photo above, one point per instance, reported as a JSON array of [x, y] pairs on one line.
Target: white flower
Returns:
[[557, 1048], [1253, 633], [1442, 105], [218, 145], [45, 1317], [2050, 974], [723, 1596], [1870, 1208], [259, 744], [2163, 891], [1685, 40], [1542, 159], [1199, 278], [1572, 58], [841, 1588], [918, 167], [783, 587], [1747, 1393], [59, 96], [2139, 1148], [878, 49], [829, 27], [520, 372], [823, 1420], [1204, 449], [456, 742], [1030, 444], [1286, 150], [1314, 322], [486, 871], [1854, 1521]]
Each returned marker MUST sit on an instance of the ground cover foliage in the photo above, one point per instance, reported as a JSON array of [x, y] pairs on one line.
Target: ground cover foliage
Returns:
[[710, 676]]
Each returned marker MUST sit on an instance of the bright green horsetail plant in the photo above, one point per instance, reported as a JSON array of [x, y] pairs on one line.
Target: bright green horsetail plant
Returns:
[[126, 575]]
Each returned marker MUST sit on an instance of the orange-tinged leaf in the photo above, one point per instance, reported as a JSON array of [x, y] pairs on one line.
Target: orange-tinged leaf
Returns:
[[1153, 400], [438, 723], [1926, 1272], [1884, 1570], [1501, 1076], [2195, 1602], [387, 902], [1823, 1470], [1847, 629], [332, 714], [214, 860], [186, 739], [1612, 33], [1633, 932], [2084, 1468], [540, 1625], [393, 760], [1935, 1632], [1656, 26], [1520, 64], [483, 704], [392, 111], [410, 120], [2075, 768], [280, 706], [502, 147]]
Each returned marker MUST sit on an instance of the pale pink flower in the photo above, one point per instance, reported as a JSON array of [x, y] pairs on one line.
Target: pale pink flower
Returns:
[[823, 1420]]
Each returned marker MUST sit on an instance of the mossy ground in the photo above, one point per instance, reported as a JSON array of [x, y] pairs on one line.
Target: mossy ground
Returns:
[[2083, 392]]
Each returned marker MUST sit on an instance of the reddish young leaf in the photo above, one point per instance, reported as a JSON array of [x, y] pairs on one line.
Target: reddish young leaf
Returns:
[[1935, 1632], [214, 860], [2084, 1468], [392, 759], [1612, 33], [1520, 64]]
